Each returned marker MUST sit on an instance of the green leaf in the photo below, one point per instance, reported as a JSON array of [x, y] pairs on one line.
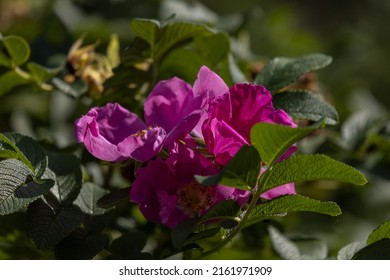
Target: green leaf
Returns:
[[10, 80], [213, 48], [383, 231], [310, 167], [7, 154], [242, 171], [29, 152], [173, 34], [67, 170], [305, 105], [222, 210], [282, 71], [183, 63], [4, 59], [113, 198], [13, 175], [40, 73], [272, 140], [34, 189], [48, 225], [80, 245], [87, 200], [291, 203], [348, 251], [379, 250], [182, 231], [17, 48], [212, 232], [147, 29]]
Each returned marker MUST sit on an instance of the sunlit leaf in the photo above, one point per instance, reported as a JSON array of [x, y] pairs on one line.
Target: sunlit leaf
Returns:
[[13, 175], [301, 168], [291, 203], [17, 48], [272, 140], [281, 71], [113, 51], [241, 172], [176, 33], [383, 231], [148, 30], [31, 150]]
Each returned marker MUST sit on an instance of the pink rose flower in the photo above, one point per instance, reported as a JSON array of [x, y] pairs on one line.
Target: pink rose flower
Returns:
[[230, 119], [172, 110], [167, 193]]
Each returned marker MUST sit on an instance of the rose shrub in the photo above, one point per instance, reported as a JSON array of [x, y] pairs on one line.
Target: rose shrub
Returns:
[[165, 188]]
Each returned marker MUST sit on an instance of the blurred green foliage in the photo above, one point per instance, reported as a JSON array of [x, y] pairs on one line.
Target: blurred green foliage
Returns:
[[354, 33]]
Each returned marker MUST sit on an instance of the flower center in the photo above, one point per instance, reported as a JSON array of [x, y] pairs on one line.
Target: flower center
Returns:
[[195, 198], [142, 133]]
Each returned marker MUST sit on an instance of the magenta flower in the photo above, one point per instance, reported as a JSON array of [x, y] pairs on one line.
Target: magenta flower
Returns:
[[231, 118], [104, 130], [172, 110], [167, 193]]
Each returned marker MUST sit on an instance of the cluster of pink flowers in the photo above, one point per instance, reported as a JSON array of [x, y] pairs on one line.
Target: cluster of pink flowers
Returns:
[[176, 114]]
